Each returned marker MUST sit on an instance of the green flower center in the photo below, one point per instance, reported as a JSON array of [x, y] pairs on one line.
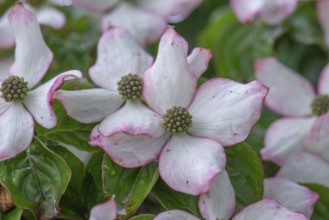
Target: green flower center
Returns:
[[130, 87], [177, 120], [14, 89], [320, 105]]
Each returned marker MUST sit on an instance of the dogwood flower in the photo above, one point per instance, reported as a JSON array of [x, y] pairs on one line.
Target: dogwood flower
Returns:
[[219, 202], [193, 125], [122, 61], [104, 211], [20, 104], [145, 19], [271, 12], [46, 15], [305, 125]]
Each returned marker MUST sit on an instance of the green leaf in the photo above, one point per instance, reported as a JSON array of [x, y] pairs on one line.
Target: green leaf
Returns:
[[130, 186], [191, 26], [256, 136], [36, 179], [67, 131], [303, 25], [307, 60], [5, 5], [246, 173], [14, 214], [71, 202], [143, 217], [74, 45], [92, 185], [235, 46], [171, 199], [321, 210]]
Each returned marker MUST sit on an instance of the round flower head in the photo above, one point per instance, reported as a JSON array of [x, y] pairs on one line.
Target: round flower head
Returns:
[[219, 202], [192, 125], [20, 103], [144, 19]]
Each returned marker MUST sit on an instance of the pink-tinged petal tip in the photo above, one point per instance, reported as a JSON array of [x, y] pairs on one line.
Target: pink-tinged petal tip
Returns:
[[127, 150], [225, 110], [292, 196], [246, 11], [32, 55], [39, 100], [268, 209], [219, 202], [104, 211], [133, 118], [196, 160], [199, 60], [169, 82]]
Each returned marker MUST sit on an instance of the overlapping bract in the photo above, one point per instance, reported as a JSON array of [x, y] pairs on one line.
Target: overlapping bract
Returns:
[[32, 59], [301, 137], [134, 135], [282, 200]]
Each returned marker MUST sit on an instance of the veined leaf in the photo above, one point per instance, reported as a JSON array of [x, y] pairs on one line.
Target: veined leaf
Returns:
[[36, 178], [246, 173]]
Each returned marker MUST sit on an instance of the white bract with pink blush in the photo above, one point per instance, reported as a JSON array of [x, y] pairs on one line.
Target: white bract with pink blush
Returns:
[[21, 104], [190, 126], [305, 126], [219, 202], [136, 131], [271, 12], [104, 211], [145, 19], [45, 15]]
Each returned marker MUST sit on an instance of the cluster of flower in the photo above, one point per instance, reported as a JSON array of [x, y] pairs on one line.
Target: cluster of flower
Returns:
[[152, 109], [298, 143]]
